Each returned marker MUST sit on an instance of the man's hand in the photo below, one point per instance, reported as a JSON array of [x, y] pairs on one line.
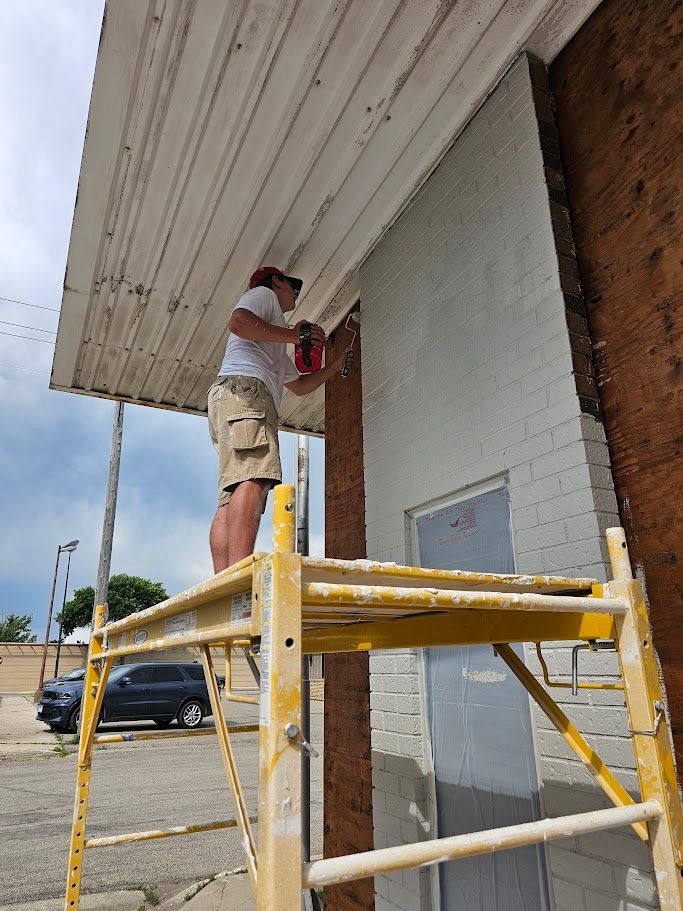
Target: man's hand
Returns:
[[309, 382], [317, 333], [346, 362], [338, 363], [248, 325]]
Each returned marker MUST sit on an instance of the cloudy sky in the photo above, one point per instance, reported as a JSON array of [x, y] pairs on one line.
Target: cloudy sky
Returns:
[[54, 447]]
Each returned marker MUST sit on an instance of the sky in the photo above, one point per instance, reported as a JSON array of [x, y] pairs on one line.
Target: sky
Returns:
[[54, 446]]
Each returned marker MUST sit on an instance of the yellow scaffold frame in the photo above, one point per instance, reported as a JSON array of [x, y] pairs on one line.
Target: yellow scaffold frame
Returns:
[[281, 605]]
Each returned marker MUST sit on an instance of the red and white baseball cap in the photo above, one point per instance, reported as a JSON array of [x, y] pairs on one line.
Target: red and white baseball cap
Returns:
[[267, 271]]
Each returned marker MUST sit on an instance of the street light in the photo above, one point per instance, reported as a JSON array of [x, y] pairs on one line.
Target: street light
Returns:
[[70, 547]]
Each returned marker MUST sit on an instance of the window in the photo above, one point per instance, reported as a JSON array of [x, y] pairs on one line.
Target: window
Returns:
[[196, 671], [166, 673], [140, 675]]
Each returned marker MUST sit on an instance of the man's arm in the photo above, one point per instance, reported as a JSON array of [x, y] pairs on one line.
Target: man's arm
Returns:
[[248, 325], [309, 382]]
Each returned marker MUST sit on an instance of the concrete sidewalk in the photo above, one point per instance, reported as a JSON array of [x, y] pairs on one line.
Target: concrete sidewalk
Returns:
[[226, 892], [21, 735]]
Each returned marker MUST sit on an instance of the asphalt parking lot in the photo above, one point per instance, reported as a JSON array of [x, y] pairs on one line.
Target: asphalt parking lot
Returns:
[[135, 786]]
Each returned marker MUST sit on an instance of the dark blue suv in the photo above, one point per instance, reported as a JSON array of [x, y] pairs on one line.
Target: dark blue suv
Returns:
[[135, 692]]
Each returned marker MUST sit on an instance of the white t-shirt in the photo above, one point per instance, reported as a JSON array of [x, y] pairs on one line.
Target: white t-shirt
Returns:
[[267, 361]]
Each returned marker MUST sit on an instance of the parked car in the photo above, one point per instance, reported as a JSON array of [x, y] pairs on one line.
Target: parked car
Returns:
[[77, 673], [160, 693]]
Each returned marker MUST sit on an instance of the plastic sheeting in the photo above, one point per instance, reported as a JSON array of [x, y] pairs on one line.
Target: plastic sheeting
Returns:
[[480, 725]]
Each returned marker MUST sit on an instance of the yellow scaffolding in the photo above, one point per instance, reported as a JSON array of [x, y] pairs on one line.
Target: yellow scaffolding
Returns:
[[281, 605]]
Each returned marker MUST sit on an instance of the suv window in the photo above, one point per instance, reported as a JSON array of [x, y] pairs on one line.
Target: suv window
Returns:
[[140, 675], [195, 671], [167, 674]]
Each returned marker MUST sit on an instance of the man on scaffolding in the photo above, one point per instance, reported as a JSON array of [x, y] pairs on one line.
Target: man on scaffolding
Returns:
[[244, 403]]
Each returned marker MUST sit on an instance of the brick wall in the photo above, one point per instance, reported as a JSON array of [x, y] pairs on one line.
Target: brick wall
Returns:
[[620, 78], [470, 372], [20, 664], [347, 799]]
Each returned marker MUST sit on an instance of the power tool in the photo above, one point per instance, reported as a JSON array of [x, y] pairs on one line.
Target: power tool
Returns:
[[307, 356]]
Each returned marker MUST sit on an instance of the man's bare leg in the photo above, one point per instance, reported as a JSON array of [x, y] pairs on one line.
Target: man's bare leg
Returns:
[[235, 526], [246, 509], [218, 539]]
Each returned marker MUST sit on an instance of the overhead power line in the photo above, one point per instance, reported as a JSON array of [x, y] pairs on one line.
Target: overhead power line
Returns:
[[28, 369], [29, 338], [22, 326], [11, 300]]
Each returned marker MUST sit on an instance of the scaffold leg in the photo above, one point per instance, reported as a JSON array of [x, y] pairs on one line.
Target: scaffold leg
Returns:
[[646, 712], [91, 704], [241, 812], [279, 884]]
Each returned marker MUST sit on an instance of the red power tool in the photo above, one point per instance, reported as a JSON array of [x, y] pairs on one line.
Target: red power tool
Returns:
[[307, 356]]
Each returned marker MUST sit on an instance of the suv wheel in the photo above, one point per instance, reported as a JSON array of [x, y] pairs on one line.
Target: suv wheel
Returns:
[[191, 714], [74, 718]]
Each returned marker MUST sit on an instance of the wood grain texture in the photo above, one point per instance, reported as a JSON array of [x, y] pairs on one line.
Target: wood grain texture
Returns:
[[618, 88], [347, 764]]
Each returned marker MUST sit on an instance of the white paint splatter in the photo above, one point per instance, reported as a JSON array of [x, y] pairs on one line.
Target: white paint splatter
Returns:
[[487, 676]]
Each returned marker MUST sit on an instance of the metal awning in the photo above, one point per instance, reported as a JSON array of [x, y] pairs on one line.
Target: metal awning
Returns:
[[224, 135]]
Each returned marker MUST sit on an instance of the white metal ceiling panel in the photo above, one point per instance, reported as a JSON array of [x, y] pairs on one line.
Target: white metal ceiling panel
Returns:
[[224, 135]]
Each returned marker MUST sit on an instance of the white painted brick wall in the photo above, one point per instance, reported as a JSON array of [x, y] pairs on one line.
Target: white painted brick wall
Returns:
[[467, 375]]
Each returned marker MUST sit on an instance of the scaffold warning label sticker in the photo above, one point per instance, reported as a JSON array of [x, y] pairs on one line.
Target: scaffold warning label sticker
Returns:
[[181, 624], [241, 607], [266, 642]]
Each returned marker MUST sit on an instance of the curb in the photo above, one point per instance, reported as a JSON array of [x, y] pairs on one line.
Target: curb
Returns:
[[18, 755], [113, 900], [180, 899]]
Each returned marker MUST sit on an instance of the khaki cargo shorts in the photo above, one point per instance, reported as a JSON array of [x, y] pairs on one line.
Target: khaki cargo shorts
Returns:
[[243, 428]]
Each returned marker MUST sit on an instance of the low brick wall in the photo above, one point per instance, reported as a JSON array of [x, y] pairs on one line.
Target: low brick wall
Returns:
[[20, 665]]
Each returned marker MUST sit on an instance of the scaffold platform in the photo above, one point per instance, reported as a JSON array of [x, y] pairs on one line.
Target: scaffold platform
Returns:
[[281, 605]]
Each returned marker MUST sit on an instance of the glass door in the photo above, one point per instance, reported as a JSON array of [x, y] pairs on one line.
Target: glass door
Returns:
[[480, 723]]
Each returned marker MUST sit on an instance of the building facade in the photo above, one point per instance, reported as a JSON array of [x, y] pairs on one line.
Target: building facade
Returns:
[[501, 355]]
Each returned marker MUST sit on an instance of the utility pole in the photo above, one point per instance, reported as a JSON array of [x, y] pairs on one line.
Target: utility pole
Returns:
[[302, 539], [310, 897], [102, 589]]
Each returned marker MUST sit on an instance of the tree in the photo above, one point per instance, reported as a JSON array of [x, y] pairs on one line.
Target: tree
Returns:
[[14, 628], [127, 594]]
